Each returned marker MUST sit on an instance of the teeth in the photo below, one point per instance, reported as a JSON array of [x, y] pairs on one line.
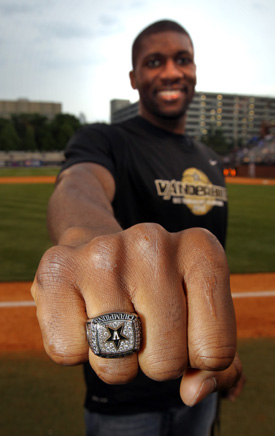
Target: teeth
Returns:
[[170, 92]]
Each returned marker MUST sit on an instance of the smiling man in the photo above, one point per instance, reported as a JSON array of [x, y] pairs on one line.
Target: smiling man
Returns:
[[137, 287], [164, 73]]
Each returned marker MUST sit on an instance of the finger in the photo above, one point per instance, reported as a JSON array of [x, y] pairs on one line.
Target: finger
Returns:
[[60, 307], [157, 295], [211, 318], [105, 290], [233, 393], [198, 384]]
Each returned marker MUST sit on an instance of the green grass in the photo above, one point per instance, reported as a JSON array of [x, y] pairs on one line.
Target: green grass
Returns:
[[39, 398], [253, 413], [23, 233], [251, 235], [22, 171]]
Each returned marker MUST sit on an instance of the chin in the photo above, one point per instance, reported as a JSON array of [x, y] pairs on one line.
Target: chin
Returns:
[[171, 115]]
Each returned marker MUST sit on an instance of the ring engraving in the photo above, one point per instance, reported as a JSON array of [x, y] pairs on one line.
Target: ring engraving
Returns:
[[115, 334]]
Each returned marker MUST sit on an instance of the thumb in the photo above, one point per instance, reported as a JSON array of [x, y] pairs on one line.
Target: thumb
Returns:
[[198, 384]]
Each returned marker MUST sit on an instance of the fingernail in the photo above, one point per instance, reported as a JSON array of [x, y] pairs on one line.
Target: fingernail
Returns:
[[208, 386]]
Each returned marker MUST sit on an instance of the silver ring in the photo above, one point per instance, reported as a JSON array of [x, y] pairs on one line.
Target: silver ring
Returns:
[[115, 334]]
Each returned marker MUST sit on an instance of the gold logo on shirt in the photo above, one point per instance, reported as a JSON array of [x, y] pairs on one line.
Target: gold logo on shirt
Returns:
[[194, 190]]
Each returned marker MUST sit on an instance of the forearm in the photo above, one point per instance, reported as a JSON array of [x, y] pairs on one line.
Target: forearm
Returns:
[[80, 207]]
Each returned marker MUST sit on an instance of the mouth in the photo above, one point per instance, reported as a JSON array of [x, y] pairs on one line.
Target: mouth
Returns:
[[171, 94]]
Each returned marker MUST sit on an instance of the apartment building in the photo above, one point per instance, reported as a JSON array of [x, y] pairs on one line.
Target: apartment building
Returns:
[[25, 106], [240, 117]]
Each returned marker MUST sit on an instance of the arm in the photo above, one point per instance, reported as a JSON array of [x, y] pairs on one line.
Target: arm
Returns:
[[80, 207], [177, 283]]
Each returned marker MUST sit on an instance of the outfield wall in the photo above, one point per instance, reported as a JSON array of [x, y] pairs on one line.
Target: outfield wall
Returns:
[[24, 158], [259, 171]]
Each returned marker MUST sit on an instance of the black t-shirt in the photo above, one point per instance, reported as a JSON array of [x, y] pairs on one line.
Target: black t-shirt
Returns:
[[160, 177]]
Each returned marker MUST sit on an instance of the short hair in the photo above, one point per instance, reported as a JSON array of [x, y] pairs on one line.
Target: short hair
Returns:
[[157, 27]]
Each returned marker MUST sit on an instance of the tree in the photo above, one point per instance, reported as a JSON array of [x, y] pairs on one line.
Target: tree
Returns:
[[34, 132], [24, 125], [40, 125], [64, 134], [45, 141], [29, 143], [9, 139], [62, 128]]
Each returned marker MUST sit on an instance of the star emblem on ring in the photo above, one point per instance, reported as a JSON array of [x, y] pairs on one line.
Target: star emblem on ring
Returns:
[[116, 335]]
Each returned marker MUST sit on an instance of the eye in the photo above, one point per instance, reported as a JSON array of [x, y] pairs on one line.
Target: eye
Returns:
[[183, 60], [153, 63]]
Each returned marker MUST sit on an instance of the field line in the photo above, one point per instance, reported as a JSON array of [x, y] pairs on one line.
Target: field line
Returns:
[[7, 304], [253, 294], [30, 303]]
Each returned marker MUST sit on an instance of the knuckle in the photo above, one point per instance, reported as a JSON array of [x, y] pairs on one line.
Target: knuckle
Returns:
[[147, 231], [212, 353], [148, 242], [160, 369], [62, 356], [204, 243], [105, 252], [201, 234], [64, 346], [214, 358], [55, 266], [204, 260], [120, 372]]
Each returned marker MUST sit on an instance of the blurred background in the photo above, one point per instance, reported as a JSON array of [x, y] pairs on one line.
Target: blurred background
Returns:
[[64, 64]]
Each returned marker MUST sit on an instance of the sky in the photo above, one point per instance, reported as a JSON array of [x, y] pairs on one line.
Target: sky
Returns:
[[78, 52]]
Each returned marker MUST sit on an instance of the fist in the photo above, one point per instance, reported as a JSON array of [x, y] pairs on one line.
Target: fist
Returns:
[[178, 284]]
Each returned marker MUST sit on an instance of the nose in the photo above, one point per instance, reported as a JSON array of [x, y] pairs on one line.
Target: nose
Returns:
[[171, 71]]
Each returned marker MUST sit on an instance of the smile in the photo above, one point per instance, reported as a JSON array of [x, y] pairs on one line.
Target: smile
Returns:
[[170, 94]]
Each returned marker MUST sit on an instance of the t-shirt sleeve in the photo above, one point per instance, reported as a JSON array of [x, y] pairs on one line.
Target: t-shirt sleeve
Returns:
[[91, 144]]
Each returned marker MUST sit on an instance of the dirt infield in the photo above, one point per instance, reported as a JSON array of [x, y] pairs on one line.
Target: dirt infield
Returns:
[[27, 180], [19, 328], [249, 181], [51, 179]]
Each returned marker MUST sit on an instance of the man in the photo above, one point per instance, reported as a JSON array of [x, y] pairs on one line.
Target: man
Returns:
[[119, 212]]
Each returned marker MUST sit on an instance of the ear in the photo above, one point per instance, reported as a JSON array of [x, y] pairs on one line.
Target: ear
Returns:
[[133, 79]]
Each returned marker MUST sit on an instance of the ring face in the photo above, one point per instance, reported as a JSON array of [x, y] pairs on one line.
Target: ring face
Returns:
[[115, 334]]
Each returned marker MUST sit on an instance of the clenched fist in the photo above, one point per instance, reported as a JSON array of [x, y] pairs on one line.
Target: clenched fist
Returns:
[[178, 284]]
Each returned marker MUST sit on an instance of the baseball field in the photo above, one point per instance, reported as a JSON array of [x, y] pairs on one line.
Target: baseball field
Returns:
[[41, 398]]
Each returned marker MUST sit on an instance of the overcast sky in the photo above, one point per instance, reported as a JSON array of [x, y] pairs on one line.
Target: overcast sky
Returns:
[[78, 52]]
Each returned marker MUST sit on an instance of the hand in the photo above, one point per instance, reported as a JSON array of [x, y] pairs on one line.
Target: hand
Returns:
[[235, 391], [178, 284]]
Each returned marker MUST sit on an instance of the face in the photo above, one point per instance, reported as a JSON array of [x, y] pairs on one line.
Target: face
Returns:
[[165, 76]]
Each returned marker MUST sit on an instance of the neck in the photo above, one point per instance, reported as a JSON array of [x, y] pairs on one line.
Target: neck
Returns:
[[172, 125]]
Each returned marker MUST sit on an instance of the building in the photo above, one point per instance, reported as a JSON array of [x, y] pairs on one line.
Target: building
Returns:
[[240, 117], [25, 106], [122, 110]]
